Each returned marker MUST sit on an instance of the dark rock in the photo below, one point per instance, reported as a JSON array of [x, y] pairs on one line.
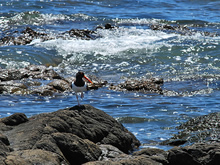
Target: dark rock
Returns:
[[15, 119], [180, 29], [4, 139], [70, 135], [107, 26], [149, 152], [181, 157], [82, 34], [144, 85], [174, 142], [75, 149], [200, 129], [196, 154]]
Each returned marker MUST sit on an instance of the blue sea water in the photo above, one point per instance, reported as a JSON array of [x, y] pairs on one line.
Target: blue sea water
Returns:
[[188, 63]]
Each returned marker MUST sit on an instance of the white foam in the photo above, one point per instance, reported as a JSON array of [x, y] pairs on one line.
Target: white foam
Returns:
[[111, 43]]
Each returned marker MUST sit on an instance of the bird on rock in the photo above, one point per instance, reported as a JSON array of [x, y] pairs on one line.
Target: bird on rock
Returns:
[[79, 85]]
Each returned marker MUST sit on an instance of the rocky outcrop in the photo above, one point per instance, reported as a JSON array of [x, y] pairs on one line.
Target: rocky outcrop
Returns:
[[28, 35], [73, 135], [29, 81], [86, 135], [180, 29], [200, 129], [143, 85]]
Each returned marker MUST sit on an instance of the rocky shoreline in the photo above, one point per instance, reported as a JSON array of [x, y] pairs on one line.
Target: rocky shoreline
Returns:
[[28, 80], [86, 135], [28, 35]]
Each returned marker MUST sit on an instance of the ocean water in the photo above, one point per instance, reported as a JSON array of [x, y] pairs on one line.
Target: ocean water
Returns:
[[188, 63]]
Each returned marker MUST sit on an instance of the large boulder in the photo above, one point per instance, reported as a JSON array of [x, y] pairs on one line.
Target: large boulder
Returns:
[[70, 136]]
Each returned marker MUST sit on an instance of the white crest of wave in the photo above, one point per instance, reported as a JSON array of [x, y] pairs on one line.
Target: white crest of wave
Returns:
[[110, 42]]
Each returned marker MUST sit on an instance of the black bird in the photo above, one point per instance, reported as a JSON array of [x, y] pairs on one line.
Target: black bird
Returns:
[[79, 85]]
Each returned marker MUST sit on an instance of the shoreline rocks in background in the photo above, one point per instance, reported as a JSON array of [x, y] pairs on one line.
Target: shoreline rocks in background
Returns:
[[44, 81], [29, 81], [200, 129], [143, 85], [180, 29], [28, 35]]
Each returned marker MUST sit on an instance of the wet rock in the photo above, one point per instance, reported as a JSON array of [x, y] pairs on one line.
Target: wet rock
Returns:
[[200, 129], [60, 85], [15, 119], [12, 87], [28, 35], [107, 26], [196, 154], [144, 85], [45, 90], [28, 81], [82, 34], [180, 29], [23, 38], [70, 135], [32, 71]]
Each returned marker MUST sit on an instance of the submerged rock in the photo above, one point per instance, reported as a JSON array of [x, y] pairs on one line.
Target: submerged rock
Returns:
[[67, 136]]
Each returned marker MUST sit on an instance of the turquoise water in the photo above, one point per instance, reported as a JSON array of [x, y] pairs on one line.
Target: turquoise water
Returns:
[[189, 64]]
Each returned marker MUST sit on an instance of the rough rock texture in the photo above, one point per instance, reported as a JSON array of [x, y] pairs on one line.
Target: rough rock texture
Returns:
[[28, 35], [32, 71], [200, 129], [197, 154], [180, 29], [86, 135], [68, 136], [29, 81], [143, 85]]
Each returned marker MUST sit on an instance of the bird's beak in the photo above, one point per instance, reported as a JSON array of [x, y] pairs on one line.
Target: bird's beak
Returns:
[[88, 79]]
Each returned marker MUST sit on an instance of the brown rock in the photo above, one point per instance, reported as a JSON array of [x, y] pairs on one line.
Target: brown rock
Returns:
[[144, 85]]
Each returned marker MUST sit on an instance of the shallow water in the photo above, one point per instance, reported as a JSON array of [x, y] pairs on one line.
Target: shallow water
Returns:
[[189, 64]]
